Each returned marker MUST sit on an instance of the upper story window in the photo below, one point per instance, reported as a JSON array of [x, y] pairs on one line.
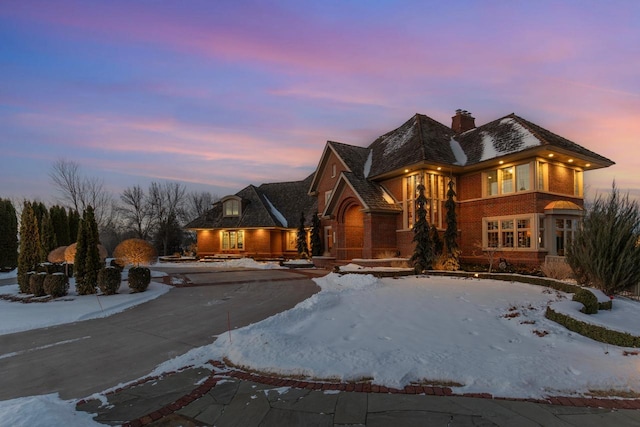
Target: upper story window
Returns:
[[333, 170], [231, 207], [507, 180], [435, 192]]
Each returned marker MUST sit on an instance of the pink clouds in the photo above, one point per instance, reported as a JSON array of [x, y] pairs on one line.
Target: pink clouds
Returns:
[[233, 93]]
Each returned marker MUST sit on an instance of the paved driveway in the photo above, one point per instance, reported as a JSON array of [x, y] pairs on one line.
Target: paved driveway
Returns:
[[79, 359]]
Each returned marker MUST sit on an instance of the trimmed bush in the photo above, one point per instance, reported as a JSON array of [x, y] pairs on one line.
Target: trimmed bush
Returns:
[[588, 299], [595, 332], [109, 279], [56, 285], [134, 251], [139, 278], [36, 284]]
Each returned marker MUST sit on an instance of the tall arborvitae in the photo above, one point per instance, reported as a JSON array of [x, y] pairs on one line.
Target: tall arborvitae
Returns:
[[47, 236], [301, 241], [451, 233], [422, 258], [29, 256], [74, 225], [316, 235], [80, 261], [92, 262], [8, 235], [60, 223], [39, 210]]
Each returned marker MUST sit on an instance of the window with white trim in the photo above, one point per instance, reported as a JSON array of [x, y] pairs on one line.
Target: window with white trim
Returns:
[[507, 180], [508, 232], [435, 193], [232, 240], [231, 207]]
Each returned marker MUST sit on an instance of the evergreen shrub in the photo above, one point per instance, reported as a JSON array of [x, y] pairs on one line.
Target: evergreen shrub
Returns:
[[139, 278], [56, 285], [588, 299], [36, 284], [109, 279]]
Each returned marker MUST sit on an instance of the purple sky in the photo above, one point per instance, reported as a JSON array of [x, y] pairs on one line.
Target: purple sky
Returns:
[[222, 94]]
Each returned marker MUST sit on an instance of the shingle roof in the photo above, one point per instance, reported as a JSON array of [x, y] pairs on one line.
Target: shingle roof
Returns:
[[419, 139], [354, 157], [372, 194], [422, 139], [270, 205]]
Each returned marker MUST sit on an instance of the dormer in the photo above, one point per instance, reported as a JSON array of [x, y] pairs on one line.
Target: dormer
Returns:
[[231, 206]]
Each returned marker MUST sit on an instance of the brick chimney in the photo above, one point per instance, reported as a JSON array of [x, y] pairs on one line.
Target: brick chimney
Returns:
[[462, 121]]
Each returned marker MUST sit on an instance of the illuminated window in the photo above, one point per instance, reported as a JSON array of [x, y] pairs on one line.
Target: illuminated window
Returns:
[[435, 191], [232, 207], [511, 233], [232, 240], [507, 180]]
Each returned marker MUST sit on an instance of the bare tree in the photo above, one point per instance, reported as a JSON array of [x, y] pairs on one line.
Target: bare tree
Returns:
[[167, 205], [136, 212], [79, 191], [197, 203]]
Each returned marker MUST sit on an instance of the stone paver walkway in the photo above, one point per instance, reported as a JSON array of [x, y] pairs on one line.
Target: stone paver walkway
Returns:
[[229, 397]]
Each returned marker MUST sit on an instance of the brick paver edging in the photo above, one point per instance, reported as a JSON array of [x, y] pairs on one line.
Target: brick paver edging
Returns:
[[224, 372]]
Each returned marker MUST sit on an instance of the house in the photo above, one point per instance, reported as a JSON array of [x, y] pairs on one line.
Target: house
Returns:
[[519, 192], [258, 222]]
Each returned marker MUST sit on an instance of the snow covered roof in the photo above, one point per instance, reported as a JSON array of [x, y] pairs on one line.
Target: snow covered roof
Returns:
[[270, 205], [422, 140]]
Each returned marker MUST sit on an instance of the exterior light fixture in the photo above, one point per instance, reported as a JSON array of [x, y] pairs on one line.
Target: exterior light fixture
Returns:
[[551, 155], [501, 162], [439, 168], [588, 165], [570, 160], [406, 170]]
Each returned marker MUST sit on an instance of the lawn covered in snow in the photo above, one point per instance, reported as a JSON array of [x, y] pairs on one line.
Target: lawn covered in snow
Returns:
[[19, 317], [484, 335]]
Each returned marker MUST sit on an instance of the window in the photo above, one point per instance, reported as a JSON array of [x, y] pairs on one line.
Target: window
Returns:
[[232, 240], [327, 196], [232, 208], [292, 240], [435, 190], [542, 172], [541, 232], [333, 170], [565, 231], [513, 233], [507, 180]]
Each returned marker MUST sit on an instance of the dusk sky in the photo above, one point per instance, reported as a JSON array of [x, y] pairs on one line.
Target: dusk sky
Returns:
[[222, 94]]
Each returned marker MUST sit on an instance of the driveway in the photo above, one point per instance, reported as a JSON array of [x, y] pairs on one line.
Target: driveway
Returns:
[[82, 358]]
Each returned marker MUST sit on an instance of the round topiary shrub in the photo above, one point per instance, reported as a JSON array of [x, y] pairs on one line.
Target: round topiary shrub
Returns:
[[139, 278], [56, 285], [36, 284], [588, 299], [109, 279]]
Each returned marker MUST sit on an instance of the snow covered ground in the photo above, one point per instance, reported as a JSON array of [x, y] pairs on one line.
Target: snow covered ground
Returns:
[[483, 335]]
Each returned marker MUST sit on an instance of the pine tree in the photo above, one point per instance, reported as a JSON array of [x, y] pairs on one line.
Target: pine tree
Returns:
[[301, 240], [437, 241], [8, 235], [422, 258], [29, 256], [451, 232], [316, 235], [47, 237]]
